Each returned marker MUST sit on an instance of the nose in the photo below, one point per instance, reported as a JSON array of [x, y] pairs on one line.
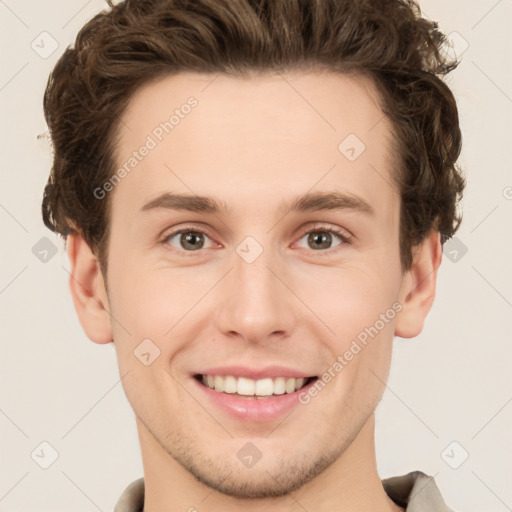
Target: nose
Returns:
[[255, 303]]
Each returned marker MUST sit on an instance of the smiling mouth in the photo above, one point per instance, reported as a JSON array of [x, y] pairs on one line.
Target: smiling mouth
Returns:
[[249, 388]]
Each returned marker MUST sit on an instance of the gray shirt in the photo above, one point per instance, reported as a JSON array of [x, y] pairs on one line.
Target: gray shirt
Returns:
[[416, 492]]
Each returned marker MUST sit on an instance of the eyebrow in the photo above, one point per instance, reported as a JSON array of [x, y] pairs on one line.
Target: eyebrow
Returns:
[[310, 202]]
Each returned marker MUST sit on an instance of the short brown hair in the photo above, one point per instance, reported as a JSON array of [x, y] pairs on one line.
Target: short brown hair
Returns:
[[136, 41]]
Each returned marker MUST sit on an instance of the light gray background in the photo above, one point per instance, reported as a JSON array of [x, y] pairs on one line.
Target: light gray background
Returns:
[[451, 383]]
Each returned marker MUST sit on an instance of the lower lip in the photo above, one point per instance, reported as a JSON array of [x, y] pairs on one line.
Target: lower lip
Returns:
[[255, 409]]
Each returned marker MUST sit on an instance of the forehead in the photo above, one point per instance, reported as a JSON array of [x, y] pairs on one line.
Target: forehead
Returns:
[[270, 135]]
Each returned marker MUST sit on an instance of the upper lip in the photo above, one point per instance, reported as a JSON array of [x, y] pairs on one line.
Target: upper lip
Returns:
[[271, 372]]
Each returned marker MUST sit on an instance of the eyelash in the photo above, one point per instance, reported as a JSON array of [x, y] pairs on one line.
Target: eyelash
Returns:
[[345, 238]]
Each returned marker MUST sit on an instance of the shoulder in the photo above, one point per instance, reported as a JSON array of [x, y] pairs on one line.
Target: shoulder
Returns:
[[132, 498], [416, 492]]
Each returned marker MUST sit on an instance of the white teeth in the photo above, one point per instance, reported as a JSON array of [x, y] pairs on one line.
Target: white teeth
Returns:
[[264, 387], [219, 383], [230, 385], [245, 386], [279, 386], [249, 387], [299, 383], [290, 386]]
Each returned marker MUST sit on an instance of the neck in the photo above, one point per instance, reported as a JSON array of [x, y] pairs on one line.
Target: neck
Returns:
[[351, 483]]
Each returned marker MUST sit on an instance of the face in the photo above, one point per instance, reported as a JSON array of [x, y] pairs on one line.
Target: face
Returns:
[[243, 282]]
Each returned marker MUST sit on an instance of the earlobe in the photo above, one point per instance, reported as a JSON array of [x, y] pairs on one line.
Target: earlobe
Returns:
[[88, 291], [419, 287]]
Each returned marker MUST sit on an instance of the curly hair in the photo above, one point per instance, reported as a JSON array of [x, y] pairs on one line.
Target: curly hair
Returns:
[[135, 41]]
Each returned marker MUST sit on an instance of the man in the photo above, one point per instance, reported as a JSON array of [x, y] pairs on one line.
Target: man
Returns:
[[255, 197]]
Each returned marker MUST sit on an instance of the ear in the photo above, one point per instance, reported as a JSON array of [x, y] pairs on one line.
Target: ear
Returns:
[[419, 287], [88, 290]]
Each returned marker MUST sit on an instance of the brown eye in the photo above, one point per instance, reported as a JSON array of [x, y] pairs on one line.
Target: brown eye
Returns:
[[322, 238], [187, 240]]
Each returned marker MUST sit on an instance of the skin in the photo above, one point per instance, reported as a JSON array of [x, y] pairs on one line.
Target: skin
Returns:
[[254, 143]]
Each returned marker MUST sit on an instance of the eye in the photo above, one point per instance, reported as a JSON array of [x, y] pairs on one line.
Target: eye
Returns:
[[321, 238], [189, 240]]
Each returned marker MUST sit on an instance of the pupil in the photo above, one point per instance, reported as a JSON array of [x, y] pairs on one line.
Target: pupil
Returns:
[[190, 239], [320, 239], [323, 236]]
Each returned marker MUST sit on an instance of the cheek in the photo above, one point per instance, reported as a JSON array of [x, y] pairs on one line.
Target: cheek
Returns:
[[160, 311], [151, 301], [352, 298], [358, 306]]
